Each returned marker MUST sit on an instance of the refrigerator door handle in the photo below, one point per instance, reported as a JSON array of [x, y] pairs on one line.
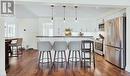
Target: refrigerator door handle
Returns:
[[117, 50]]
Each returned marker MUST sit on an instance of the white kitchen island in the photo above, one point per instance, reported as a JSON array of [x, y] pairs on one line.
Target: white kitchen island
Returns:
[[52, 39]]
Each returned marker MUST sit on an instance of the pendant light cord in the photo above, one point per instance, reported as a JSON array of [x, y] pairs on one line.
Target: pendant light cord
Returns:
[[76, 12], [64, 12], [52, 6]]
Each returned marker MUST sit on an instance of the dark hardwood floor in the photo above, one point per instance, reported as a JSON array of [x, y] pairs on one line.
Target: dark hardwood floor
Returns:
[[26, 65]]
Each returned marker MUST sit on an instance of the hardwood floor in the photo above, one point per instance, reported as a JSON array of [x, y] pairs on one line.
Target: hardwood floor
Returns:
[[26, 65]]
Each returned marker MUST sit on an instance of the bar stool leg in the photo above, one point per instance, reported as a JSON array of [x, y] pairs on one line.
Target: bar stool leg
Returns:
[[93, 56], [79, 57], [65, 58], [84, 59], [69, 58], [39, 59], [58, 59], [50, 57], [72, 57], [54, 60], [90, 60], [42, 57], [75, 57], [90, 54], [47, 59], [61, 58]]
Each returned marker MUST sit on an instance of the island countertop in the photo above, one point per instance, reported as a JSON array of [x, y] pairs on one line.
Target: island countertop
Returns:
[[64, 36]]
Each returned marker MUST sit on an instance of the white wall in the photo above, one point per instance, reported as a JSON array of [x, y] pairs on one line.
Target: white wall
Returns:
[[128, 40], [30, 24], [2, 49], [85, 24], [29, 36]]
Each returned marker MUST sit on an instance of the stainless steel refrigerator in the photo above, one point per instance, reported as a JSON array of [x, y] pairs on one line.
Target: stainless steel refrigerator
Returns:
[[115, 42]]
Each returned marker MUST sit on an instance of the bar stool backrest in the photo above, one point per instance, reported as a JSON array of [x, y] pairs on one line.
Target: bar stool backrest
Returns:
[[44, 46], [75, 45], [86, 44], [60, 45]]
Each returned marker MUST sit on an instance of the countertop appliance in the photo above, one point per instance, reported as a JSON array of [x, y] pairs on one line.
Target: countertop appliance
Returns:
[[115, 43]]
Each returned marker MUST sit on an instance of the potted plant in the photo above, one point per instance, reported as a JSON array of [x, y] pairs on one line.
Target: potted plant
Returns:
[[68, 32]]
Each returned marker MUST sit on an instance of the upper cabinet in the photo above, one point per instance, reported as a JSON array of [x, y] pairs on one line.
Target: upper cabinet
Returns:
[[101, 27]]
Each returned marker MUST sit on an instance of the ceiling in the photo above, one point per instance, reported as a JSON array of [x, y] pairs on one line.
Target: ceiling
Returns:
[[36, 9]]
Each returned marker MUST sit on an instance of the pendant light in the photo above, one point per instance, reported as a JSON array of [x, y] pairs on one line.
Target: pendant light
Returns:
[[52, 19], [64, 12], [76, 13]]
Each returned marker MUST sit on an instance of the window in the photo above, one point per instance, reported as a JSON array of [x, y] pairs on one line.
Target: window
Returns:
[[9, 30]]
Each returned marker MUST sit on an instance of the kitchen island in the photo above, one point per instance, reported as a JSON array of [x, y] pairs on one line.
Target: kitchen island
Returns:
[[52, 39]]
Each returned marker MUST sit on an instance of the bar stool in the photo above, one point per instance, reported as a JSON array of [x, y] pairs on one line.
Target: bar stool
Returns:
[[74, 49], [44, 47], [59, 48], [87, 47]]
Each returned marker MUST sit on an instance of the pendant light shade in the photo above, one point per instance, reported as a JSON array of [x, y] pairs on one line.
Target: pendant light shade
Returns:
[[52, 7], [64, 13], [76, 13]]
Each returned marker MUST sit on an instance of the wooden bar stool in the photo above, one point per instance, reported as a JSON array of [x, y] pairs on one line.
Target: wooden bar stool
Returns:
[[44, 47], [74, 49], [87, 47], [59, 55]]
